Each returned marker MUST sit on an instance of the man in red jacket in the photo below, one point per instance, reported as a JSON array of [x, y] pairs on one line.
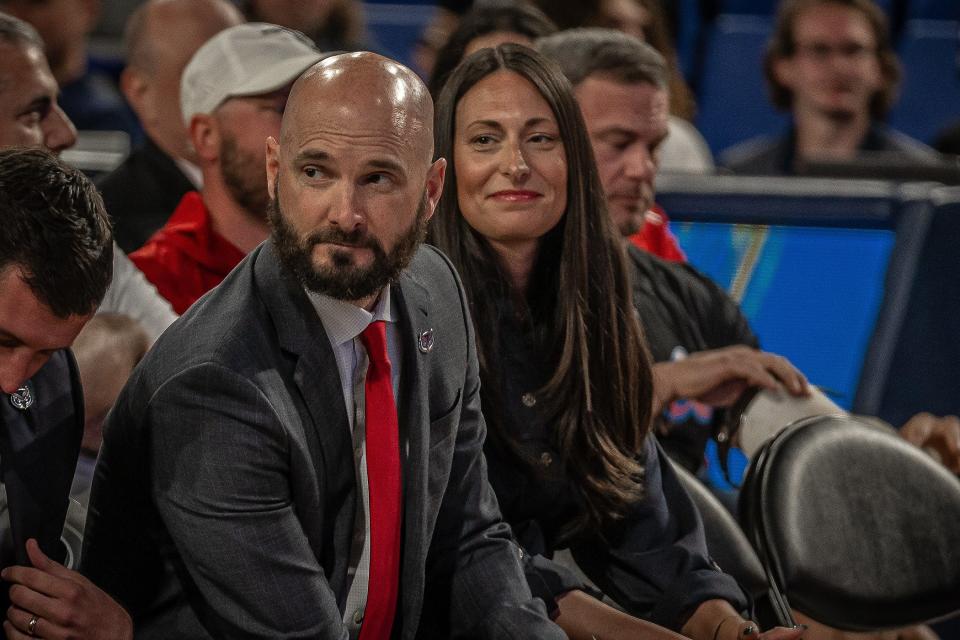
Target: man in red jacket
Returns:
[[233, 93]]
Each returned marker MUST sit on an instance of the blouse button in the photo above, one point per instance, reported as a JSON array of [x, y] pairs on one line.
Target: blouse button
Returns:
[[546, 459], [358, 616], [528, 399]]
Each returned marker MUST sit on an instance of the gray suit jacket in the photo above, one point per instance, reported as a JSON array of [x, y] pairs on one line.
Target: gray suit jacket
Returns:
[[223, 502]]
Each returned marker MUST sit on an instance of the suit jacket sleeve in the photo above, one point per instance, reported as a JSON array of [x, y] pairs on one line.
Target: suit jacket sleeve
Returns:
[[487, 594], [220, 478]]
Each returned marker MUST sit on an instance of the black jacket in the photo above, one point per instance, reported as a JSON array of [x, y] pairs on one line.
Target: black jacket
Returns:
[[141, 194], [39, 446]]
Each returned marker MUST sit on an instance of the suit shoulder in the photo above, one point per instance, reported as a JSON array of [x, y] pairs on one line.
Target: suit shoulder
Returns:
[[429, 258]]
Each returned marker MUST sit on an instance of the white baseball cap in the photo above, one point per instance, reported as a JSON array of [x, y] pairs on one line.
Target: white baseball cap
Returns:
[[246, 60]]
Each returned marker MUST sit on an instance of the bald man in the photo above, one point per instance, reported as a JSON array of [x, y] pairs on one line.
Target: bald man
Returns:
[[300, 455], [161, 36]]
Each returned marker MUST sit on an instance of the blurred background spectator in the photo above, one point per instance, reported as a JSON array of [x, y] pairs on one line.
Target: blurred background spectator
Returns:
[[88, 95], [160, 38], [334, 25], [831, 65]]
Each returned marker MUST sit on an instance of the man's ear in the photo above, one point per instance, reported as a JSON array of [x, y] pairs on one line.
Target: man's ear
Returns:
[[434, 188], [783, 71], [205, 136], [273, 164], [134, 87]]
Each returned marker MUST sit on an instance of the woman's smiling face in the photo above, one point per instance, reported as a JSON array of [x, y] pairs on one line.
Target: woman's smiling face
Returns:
[[509, 160]]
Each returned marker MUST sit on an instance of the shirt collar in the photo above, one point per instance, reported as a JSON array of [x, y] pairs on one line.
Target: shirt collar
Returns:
[[191, 171], [344, 321]]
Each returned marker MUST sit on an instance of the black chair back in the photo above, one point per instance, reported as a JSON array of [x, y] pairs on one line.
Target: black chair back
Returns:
[[726, 542], [855, 527]]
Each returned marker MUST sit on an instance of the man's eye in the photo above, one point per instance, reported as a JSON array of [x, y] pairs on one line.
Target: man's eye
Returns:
[[32, 118], [311, 172], [378, 178]]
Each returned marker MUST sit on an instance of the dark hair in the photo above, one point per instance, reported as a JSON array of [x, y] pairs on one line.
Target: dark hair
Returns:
[[55, 230], [599, 392], [572, 14], [521, 18], [17, 32], [782, 45], [657, 35], [581, 53], [343, 29]]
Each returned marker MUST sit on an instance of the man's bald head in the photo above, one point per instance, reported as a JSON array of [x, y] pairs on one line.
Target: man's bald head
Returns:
[[354, 87], [174, 27], [352, 179], [161, 36]]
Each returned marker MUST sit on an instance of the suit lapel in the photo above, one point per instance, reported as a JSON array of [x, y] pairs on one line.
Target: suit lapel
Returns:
[[413, 414], [317, 378]]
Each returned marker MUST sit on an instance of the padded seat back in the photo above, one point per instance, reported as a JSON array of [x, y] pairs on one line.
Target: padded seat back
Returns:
[[930, 94], [726, 542], [857, 528]]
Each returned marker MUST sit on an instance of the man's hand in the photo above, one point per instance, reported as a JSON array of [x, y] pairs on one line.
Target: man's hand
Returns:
[[719, 376], [64, 603], [940, 437]]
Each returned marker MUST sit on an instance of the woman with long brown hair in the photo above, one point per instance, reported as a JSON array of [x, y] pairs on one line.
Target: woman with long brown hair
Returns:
[[567, 385]]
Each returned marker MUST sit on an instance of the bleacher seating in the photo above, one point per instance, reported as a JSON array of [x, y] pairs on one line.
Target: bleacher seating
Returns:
[[733, 101], [933, 9], [769, 7], [395, 28], [923, 350], [854, 281], [930, 95]]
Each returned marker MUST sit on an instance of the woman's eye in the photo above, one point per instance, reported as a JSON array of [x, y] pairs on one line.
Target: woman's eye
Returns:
[[482, 140]]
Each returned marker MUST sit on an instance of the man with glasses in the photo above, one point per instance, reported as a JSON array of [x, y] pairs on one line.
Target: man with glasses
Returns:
[[829, 63]]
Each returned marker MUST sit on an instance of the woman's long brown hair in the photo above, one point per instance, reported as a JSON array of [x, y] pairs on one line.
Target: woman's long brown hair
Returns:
[[598, 397]]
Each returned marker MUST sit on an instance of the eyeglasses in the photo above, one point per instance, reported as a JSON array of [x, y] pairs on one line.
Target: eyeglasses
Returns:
[[821, 51]]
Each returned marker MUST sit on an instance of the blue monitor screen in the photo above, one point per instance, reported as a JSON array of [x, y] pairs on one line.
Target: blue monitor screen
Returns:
[[811, 294]]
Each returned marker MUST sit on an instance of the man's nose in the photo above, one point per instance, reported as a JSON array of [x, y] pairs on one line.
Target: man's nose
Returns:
[[640, 164], [14, 371], [346, 212], [59, 133]]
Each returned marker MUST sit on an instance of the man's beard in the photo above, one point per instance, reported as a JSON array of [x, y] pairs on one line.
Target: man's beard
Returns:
[[244, 178], [343, 279]]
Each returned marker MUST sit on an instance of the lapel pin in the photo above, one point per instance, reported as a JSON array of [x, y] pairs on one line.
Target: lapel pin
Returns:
[[425, 341], [22, 399]]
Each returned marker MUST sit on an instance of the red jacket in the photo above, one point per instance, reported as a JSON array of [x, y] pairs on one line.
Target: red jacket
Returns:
[[186, 258], [655, 237]]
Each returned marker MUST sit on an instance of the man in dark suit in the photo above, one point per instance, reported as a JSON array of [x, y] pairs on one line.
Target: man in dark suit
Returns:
[[300, 456], [55, 265]]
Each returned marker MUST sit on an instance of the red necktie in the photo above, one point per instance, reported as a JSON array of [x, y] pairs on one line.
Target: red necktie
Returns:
[[383, 482]]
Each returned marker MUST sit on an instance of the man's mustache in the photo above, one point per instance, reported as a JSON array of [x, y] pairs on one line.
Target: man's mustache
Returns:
[[357, 238]]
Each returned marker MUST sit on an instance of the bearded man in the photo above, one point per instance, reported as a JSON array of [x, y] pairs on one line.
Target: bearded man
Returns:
[[300, 455]]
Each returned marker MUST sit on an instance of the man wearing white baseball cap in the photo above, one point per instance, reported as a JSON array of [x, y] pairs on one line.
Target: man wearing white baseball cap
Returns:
[[233, 93]]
